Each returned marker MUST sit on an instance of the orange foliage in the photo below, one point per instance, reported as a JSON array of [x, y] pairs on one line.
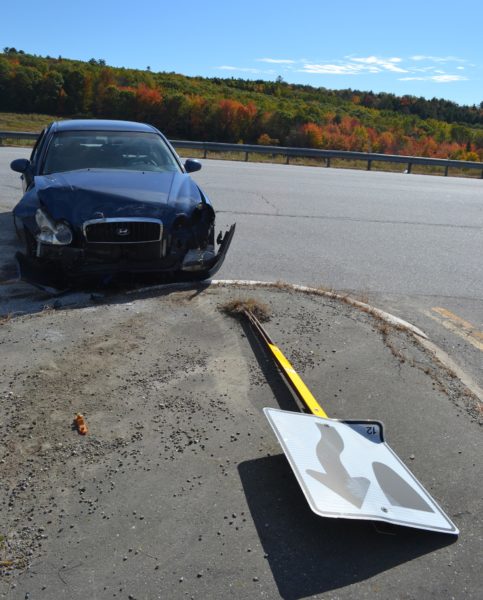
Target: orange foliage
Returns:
[[350, 135], [312, 135], [148, 95], [386, 143], [127, 88], [235, 120], [264, 140]]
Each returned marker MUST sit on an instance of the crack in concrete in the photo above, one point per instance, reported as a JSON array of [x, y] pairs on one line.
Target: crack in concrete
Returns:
[[271, 204]]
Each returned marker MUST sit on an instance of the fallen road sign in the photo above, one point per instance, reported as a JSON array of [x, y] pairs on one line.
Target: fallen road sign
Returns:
[[345, 468]]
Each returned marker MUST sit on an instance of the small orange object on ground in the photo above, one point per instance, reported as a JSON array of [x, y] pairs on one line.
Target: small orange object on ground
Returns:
[[80, 423]]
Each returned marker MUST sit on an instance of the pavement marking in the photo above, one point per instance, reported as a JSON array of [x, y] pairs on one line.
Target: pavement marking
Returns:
[[457, 325]]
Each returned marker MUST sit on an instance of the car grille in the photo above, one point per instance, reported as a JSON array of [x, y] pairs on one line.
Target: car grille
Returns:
[[127, 231]]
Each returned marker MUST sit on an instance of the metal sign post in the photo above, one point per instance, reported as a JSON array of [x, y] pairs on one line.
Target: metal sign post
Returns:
[[345, 468]]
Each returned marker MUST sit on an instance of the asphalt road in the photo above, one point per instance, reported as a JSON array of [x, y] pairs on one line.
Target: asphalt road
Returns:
[[410, 244]]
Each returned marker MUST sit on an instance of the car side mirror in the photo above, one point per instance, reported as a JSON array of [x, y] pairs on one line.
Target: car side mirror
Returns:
[[191, 165], [20, 165]]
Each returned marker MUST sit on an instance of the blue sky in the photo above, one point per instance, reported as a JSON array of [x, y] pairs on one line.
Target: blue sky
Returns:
[[425, 48]]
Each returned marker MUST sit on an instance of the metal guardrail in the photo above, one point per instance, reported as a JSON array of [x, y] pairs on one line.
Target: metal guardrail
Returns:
[[17, 135], [289, 153]]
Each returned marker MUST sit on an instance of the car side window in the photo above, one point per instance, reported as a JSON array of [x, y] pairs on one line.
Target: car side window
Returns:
[[37, 147]]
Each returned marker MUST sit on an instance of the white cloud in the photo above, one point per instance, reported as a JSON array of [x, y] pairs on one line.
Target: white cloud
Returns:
[[438, 59], [448, 78], [355, 66], [327, 69], [437, 78], [277, 61], [388, 64], [422, 69], [241, 69]]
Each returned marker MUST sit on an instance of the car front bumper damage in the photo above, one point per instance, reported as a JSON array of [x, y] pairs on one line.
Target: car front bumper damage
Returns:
[[58, 268]]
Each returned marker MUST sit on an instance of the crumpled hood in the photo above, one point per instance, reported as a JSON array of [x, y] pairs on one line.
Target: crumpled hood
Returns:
[[78, 196]]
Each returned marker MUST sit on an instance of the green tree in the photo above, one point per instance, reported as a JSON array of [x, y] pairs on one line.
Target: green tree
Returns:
[[49, 91], [74, 86], [6, 73], [24, 89]]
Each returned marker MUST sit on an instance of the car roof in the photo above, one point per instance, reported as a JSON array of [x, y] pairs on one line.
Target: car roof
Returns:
[[101, 125]]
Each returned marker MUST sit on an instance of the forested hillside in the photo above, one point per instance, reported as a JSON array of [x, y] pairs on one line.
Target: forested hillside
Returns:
[[237, 110]]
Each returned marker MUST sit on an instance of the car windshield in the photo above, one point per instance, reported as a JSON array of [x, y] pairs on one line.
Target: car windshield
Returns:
[[133, 151]]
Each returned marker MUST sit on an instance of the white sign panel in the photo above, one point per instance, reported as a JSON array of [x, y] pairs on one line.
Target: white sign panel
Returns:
[[346, 470]]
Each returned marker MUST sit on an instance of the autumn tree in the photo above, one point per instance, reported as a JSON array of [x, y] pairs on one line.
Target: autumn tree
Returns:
[[235, 109]]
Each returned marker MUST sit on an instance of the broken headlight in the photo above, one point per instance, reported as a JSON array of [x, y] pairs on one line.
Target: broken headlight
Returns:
[[58, 234]]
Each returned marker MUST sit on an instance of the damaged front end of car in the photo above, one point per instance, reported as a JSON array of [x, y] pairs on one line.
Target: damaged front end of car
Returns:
[[183, 248]]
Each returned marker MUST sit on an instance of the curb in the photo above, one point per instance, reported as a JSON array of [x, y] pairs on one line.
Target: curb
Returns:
[[392, 319], [449, 364], [388, 317]]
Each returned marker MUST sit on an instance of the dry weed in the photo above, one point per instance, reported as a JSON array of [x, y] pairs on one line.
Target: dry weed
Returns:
[[238, 307]]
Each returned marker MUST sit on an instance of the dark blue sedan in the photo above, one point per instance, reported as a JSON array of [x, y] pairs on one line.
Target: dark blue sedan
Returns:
[[108, 197]]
